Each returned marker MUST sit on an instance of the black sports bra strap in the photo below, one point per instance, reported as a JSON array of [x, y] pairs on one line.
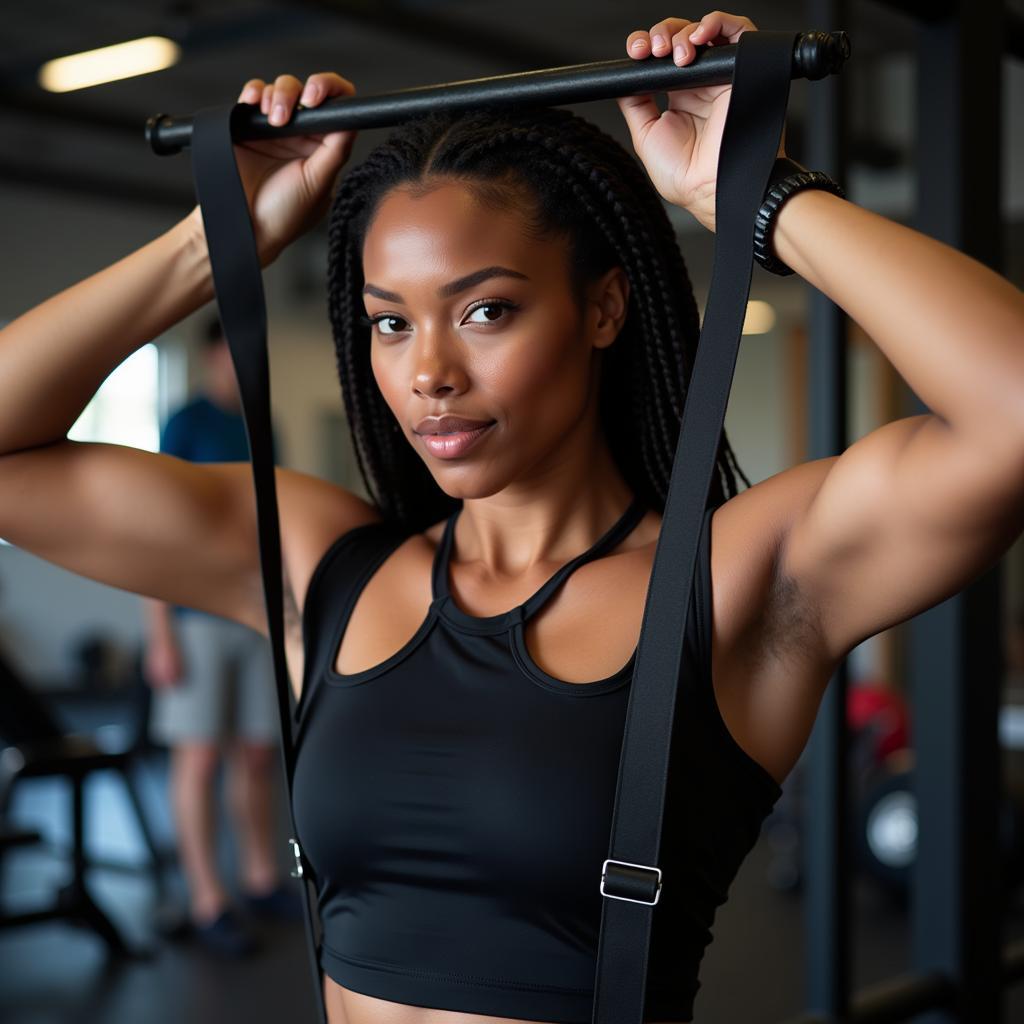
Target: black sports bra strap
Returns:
[[439, 572], [615, 533]]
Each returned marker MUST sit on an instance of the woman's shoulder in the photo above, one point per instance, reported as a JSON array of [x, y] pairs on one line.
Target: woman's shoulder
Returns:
[[314, 514]]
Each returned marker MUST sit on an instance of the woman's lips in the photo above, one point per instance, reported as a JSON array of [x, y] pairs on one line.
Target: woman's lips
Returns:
[[451, 446]]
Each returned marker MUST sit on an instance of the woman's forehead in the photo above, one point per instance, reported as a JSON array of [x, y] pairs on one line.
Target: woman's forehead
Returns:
[[449, 210], [447, 231]]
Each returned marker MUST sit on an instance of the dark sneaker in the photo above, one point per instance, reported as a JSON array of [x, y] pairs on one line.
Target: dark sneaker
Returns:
[[226, 936], [172, 922], [283, 903]]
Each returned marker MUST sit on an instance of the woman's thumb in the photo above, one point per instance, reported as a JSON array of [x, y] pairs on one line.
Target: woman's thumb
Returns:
[[641, 114], [326, 160]]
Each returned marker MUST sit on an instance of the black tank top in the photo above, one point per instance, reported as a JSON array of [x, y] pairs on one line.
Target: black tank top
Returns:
[[455, 802]]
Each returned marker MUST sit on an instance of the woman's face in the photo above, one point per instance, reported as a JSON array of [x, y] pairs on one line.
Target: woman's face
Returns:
[[474, 319]]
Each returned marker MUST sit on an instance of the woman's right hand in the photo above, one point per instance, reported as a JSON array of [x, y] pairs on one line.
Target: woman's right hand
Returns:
[[288, 182]]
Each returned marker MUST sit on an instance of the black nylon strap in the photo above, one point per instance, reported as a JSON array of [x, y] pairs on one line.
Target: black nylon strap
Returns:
[[751, 137], [750, 142], [238, 285]]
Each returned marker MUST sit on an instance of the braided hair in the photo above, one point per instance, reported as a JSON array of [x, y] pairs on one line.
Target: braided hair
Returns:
[[566, 178]]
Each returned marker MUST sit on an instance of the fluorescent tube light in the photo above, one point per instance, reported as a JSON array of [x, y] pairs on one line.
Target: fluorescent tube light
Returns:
[[109, 64]]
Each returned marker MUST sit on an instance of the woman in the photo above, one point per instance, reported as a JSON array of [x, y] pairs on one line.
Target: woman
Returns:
[[519, 272]]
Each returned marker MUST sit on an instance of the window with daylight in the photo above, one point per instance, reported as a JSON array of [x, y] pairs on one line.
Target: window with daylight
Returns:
[[125, 408]]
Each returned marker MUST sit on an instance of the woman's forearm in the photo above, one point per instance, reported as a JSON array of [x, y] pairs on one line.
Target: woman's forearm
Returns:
[[952, 328], [55, 356]]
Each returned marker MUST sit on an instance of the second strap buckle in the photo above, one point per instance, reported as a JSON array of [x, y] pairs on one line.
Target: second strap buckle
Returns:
[[635, 883]]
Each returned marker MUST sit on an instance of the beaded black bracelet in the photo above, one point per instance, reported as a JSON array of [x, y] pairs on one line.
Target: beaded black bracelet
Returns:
[[786, 179]]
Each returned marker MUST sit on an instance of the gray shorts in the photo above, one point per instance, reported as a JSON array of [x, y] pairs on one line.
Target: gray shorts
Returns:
[[227, 686]]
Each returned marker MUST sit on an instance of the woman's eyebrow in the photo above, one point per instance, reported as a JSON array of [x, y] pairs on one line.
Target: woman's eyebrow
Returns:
[[446, 291]]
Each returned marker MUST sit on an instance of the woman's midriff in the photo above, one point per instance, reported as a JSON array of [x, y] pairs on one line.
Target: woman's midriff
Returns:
[[347, 1007]]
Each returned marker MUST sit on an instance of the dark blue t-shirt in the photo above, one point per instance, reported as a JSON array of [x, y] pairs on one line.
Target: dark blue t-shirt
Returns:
[[202, 431]]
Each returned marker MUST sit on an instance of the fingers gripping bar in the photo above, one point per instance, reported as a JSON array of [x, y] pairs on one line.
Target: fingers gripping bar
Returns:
[[815, 55]]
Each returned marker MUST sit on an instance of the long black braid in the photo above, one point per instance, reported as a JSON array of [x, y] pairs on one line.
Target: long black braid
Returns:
[[566, 178]]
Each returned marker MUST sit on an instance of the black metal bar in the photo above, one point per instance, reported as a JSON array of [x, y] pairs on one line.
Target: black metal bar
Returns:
[[827, 867], [16, 919], [956, 656], [78, 859], [899, 999], [892, 1001], [815, 55]]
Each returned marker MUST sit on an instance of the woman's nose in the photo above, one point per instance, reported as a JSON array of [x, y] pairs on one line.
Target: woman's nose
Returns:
[[438, 367]]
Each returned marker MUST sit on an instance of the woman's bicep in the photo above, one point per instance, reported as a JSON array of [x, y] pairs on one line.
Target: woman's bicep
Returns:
[[144, 522]]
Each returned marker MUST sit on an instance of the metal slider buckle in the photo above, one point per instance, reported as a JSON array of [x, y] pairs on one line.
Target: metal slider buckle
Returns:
[[631, 875], [296, 872]]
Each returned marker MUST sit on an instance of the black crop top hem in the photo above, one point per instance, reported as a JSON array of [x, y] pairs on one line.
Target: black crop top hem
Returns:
[[487, 996]]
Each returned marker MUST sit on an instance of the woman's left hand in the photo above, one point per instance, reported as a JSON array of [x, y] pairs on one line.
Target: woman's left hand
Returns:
[[679, 147]]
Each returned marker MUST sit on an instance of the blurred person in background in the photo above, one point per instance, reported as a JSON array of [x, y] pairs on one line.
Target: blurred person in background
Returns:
[[214, 697]]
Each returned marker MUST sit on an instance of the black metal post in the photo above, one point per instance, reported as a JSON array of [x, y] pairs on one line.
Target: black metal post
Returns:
[[956, 663], [826, 900]]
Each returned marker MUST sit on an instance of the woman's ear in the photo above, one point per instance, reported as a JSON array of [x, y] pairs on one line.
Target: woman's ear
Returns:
[[607, 306]]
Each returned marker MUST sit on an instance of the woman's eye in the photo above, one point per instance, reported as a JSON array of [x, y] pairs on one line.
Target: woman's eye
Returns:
[[489, 308], [380, 321], [390, 321], [491, 313]]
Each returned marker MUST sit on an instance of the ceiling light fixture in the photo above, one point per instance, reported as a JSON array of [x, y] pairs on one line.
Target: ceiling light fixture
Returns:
[[760, 318], [109, 64]]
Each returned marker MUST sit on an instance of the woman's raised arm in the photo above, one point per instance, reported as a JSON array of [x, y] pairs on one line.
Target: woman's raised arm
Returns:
[[141, 521]]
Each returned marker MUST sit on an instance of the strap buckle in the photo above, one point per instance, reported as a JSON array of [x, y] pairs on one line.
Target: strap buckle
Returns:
[[297, 871], [636, 879]]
